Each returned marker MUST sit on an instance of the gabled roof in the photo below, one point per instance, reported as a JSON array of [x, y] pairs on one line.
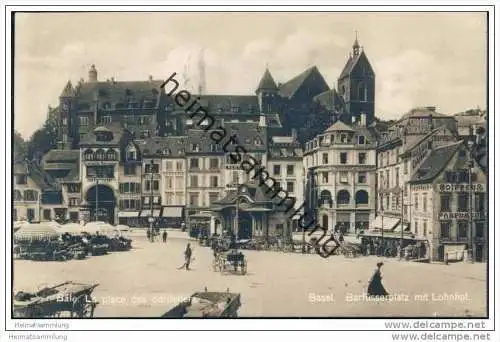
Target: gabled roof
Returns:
[[171, 146], [118, 92], [41, 178], [351, 64], [267, 82], [417, 140], [247, 133], [289, 88], [63, 156], [68, 90], [117, 130], [435, 163], [339, 126], [247, 104], [331, 100]]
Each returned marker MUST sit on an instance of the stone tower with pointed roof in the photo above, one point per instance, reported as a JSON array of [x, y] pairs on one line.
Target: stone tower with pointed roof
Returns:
[[64, 118], [356, 84], [266, 92]]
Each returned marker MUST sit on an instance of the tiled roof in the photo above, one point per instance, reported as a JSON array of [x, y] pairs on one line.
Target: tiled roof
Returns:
[[289, 88], [55, 156], [117, 131], [118, 92], [171, 146], [244, 104], [351, 63], [248, 134], [415, 140], [267, 82], [435, 163], [423, 112], [339, 126], [330, 100], [41, 178], [63, 160], [204, 142], [68, 90]]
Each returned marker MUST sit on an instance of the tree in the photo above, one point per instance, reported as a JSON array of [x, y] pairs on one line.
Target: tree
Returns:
[[20, 147], [43, 140]]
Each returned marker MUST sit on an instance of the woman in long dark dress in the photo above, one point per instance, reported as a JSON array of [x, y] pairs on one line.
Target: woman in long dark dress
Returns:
[[375, 287]]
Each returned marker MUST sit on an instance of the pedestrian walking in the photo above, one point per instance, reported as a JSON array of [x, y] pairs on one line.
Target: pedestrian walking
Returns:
[[164, 236], [187, 257], [375, 287]]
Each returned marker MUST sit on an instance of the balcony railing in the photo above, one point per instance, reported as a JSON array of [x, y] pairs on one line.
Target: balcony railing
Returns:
[[100, 179]]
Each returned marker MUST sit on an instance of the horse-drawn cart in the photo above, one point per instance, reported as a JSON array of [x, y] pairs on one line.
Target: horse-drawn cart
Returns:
[[207, 304], [232, 260], [72, 298]]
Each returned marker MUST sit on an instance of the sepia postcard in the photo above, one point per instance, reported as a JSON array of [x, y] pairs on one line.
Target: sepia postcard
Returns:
[[264, 163]]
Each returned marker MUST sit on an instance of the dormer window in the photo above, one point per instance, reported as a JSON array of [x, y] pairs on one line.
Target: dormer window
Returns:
[[213, 147], [166, 151], [235, 109], [258, 141], [361, 140], [106, 119], [195, 148], [220, 109], [343, 138], [111, 155], [88, 155]]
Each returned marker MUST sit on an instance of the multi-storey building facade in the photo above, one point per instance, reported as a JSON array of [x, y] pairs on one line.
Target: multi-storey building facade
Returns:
[[341, 165], [397, 159], [169, 152], [284, 164], [205, 165], [64, 167], [139, 105], [449, 209]]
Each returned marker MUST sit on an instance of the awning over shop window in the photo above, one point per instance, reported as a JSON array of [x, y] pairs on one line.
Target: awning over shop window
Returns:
[[454, 251], [343, 217], [147, 213], [172, 212], [389, 223], [398, 227], [362, 217], [128, 214]]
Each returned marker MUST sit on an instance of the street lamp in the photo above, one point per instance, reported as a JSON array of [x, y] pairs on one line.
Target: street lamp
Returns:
[[96, 198]]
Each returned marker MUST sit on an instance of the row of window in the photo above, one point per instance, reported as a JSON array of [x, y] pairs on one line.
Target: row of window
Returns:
[[362, 177], [290, 170], [101, 171], [174, 199], [194, 199], [463, 202], [130, 188], [179, 165], [384, 181], [340, 138], [194, 163], [26, 195], [128, 119], [388, 157], [179, 182], [100, 154], [462, 229], [343, 197]]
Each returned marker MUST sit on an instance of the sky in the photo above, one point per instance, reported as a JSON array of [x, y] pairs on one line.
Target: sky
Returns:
[[420, 59]]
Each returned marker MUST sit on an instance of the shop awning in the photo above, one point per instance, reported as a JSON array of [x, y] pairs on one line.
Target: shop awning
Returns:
[[454, 251], [172, 212], [128, 214], [389, 223], [255, 209], [147, 213], [398, 227]]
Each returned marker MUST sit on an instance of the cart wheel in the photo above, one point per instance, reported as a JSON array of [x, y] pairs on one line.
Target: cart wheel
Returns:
[[244, 267]]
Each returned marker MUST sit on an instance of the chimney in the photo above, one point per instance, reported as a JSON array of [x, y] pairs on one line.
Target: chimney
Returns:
[[362, 119], [150, 77], [92, 74], [262, 121], [353, 119]]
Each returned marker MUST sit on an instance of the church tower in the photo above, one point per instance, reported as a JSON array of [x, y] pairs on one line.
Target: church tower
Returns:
[[356, 84], [267, 93], [65, 118]]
